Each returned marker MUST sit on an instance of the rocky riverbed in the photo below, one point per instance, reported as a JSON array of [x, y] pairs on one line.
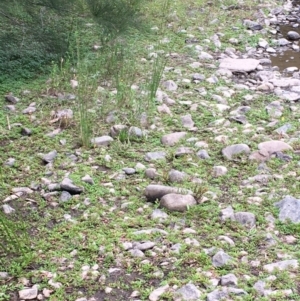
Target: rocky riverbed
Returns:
[[203, 204]]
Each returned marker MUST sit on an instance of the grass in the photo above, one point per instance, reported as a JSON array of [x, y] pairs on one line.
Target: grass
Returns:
[[109, 212]]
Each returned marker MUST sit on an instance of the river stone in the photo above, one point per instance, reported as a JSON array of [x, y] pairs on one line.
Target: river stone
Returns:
[[102, 141], [153, 156], [274, 146], [229, 280], [136, 253], [151, 173], [188, 292], [289, 209], [28, 293], [155, 295], [65, 196], [156, 192], [159, 214], [68, 185], [247, 219], [220, 259], [239, 65], [203, 154], [293, 35], [219, 171], [173, 138], [177, 202], [235, 149], [281, 265]]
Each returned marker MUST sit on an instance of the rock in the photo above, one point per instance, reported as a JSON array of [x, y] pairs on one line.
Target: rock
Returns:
[[220, 259], [50, 156], [231, 151], [135, 132], [187, 121], [283, 129], [150, 231], [155, 295], [188, 292], [117, 129], [10, 162], [202, 154], [129, 171], [204, 56], [102, 141], [177, 202], [127, 245], [4, 275], [273, 146], [68, 185], [252, 25], [88, 179], [219, 171], [136, 253], [28, 293], [217, 295], [65, 196], [173, 138], [29, 110], [8, 209], [293, 35], [289, 209], [176, 248], [176, 176], [282, 265], [26, 131], [198, 77], [239, 65], [151, 173], [170, 85], [227, 213], [153, 156], [247, 219], [229, 280], [12, 99], [181, 151], [159, 214], [156, 192], [144, 246]]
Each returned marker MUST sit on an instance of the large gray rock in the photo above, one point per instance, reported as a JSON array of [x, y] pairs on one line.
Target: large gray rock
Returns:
[[28, 293], [247, 219], [156, 192], [232, 150], [293, 35], [220, 259], [274, 146], [239, 65], [289, 209], [188, 292], [68, 185], [177, 202], [173, 138], [282, 265], [102, 141], [153, 156]]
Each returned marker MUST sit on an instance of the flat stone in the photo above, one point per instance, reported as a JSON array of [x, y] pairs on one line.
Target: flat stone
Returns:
[[129, 171], [188, 292], [232, 150], [102, 141], [217, 295], [153, 156], [239, 65], [28, 293], [68, 185], [289, 209], [247, 219], [177, 202], [173, 138], [220, 259], [159, 214], [144, 246], [183, 150], [155, 295], [150, 231], [274, 146], [136, 253], [282, 265]]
